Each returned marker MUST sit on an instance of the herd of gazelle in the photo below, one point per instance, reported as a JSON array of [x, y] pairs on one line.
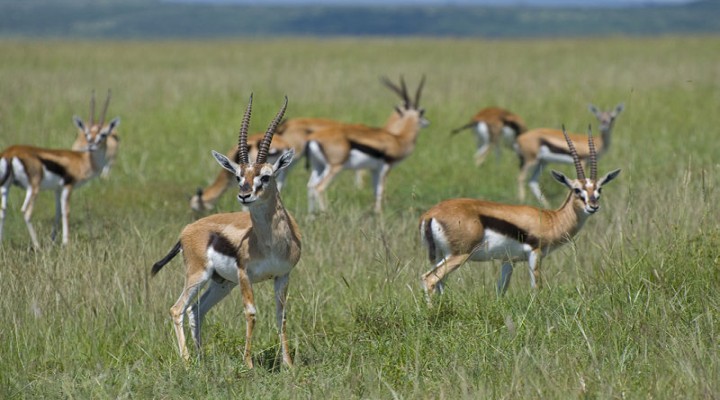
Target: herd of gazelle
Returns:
[[36, 168], [243, 248]]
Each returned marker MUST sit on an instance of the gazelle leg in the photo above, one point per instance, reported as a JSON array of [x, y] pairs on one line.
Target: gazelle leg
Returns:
[[58, 206], [483, 142], [379, 177], [534, 184], [249, 304], [522, 178], [281, 289], [65, 203], [435, 276], [324, 182], [27, 209], [505, 275], [193, 284], [4, 190], [215, 292], [534, 268]]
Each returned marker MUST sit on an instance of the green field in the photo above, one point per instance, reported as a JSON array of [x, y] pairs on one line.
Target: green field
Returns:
[[631, 309]]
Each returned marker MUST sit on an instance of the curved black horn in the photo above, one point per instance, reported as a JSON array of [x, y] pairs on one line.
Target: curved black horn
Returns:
[[593, 155], [573, 152], [92, 109], [400, 92], [105, 108], [418, 92], [242, 139], [265, 144]]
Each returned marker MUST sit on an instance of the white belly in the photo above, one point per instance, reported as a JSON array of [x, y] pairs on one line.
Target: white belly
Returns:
[[508, 135], [49, 180], [500, 247], [547, 155], [258, 271], [360, 160]]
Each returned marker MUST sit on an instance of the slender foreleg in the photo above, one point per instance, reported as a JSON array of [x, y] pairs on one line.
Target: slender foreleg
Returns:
[[249, 304], [281, 289]]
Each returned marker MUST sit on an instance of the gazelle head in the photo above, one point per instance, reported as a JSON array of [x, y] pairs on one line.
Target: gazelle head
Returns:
[[606, 118], [256, 180], [585, 191], [96, 132], [409, 108]]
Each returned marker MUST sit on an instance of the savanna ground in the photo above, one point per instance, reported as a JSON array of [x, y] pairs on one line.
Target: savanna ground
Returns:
[[631, 309]]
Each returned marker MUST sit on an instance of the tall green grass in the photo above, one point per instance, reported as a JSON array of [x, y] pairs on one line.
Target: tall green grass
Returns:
[[630, 309]]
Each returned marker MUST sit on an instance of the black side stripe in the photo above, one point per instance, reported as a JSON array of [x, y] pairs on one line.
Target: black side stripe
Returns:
[[510, 230], [57, 169], [371, 151], [555, 149], [222, 245]]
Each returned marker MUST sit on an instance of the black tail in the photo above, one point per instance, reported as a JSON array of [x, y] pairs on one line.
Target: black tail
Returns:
[[158, 265], [462, 128]]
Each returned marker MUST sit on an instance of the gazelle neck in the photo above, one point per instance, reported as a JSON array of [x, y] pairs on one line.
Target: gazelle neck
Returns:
[[569, 218], [269, 218]]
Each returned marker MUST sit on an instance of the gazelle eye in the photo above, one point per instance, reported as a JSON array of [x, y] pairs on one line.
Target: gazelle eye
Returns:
[[237, 178], [265, 178], [577, 191]]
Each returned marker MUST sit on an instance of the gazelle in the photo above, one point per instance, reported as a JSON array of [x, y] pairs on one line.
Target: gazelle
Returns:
[[205, 198], [459, 230], [333, 149], [537, 147], [493, 125], [239, 248], [36, 168], [113, 140], [291, 133]]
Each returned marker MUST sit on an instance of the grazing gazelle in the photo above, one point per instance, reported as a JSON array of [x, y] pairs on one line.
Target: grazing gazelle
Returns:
[[36, 168], [242, 248], [333, 149], [459, 230], [205, 198], [537, 147], [493, 124], [113, 140]]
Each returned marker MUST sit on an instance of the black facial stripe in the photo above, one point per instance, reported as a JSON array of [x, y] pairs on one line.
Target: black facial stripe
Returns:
[[510, 230], [57, 169], [371, 151], [222, 245]]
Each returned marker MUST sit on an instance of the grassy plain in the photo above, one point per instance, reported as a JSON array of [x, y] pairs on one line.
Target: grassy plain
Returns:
[[631, 309]]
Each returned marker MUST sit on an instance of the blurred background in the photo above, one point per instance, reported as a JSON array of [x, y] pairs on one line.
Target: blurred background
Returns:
[[136, 19]]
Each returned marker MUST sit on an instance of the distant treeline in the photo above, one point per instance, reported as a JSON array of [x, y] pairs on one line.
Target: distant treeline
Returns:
[[114, 19]]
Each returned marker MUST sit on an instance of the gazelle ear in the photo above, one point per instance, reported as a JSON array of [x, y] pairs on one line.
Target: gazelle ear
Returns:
[[608, 177], [225, 162], [79, 122], [593, 109], [285, 159], [618, 109], [560, 177], [113, 124]]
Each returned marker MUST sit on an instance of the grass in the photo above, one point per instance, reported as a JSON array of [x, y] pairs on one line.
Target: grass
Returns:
[[630, 309]]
